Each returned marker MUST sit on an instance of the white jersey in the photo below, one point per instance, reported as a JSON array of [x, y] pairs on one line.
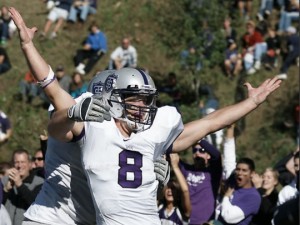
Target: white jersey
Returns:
[[121, 170], [65, 196]]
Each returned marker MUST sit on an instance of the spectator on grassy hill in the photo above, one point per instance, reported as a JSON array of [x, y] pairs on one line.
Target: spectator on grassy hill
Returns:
[[4, 61], [265, 9], [289, 14], [190, 59], [175, 207], [28, 88], [241, 200], [229, 32], [58, 14], [81, 9], [293, 54], [78, 85], [21, 186], [233, 60], [270, 58], [245, 9], [123, 56], [93, 49], [254, 47], [63, 79], [269, 196], [5, 128], [7, 26], [203, 178]]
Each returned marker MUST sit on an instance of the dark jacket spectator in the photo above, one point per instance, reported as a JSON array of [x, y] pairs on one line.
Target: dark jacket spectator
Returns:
[[4, 61]]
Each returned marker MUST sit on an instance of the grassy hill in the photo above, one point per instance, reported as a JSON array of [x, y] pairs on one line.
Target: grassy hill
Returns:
[[157, 29]]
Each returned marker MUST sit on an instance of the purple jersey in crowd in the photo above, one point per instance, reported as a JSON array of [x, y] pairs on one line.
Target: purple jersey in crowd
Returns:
[[248, 200]]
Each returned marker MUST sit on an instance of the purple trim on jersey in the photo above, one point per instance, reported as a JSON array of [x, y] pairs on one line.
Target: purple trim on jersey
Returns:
[[77, 138], [174, 217], [144, 76]]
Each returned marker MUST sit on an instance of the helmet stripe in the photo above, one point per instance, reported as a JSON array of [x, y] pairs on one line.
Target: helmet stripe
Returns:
[[144, 76]]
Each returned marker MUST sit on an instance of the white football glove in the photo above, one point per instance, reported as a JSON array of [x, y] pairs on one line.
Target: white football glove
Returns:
[[94, 108], [162, 171]]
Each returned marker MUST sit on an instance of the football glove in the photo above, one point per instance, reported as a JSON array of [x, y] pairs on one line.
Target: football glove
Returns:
[[162, 171], [94, 108]]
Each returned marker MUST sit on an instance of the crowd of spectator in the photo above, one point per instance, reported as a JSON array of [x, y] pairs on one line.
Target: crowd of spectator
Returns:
[[217, 188]]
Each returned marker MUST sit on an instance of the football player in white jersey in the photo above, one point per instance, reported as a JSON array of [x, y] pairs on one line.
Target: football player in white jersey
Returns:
[[118, 152]]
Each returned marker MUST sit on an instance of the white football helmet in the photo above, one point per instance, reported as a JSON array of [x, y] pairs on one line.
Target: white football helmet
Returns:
[[97, 82], [130, 83]]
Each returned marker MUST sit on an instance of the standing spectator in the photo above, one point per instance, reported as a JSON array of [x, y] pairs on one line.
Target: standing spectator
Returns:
[[123, 56], [63, 79], [5, 128], [7, 26], [203, 178], [94, 47], [270, 59], [254, 47], [82, 8], [4, 61], [241, 200], [78, 85], [293, 47], [21, 186], [269, 197], [4, 216], [58, 14], [176, 205]]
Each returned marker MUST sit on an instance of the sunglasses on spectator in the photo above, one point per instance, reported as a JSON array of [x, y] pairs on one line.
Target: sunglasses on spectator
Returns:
[[37, 158], [198, 149]]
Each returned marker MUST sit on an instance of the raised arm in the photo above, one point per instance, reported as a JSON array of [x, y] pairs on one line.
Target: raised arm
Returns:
[[226, 116], [40, 69]]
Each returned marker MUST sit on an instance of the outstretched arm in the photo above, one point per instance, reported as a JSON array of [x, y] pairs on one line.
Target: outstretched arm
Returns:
[[38, 66], [226, 116]]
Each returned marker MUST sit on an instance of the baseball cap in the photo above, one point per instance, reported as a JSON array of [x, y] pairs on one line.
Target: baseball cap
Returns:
[[59, 68]]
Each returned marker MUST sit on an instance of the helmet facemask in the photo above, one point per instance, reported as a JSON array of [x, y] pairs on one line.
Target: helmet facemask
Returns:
[[138, 117]]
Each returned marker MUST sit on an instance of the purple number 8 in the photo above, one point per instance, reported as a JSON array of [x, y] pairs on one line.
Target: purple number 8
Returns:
[[130, 163]]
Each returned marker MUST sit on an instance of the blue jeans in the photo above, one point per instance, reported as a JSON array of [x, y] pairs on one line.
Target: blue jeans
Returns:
[[265, 5], [83, 12], [260, 49], [286, 19], [4, 31]]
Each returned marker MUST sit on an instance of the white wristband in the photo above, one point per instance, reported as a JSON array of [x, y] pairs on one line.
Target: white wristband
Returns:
[[48, 80]]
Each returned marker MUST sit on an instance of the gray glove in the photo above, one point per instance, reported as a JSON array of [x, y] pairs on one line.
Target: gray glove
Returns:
[[94, 108], [162, 171]]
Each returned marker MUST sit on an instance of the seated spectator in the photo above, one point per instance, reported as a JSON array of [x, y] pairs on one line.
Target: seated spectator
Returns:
[[78, 86], [21, 186], [94, 47], [270, 58], [5, 128], [203, 178], [58, 14], [269, 196], [63, 79], [123, 56], [82, 8], [229, 32], [293, 53], [254, 47], [4, 61], [7, 26], [175, 207], [28, 87], [288, 14], [190, 59], [265, 9], [233, 61], [245, 9]]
